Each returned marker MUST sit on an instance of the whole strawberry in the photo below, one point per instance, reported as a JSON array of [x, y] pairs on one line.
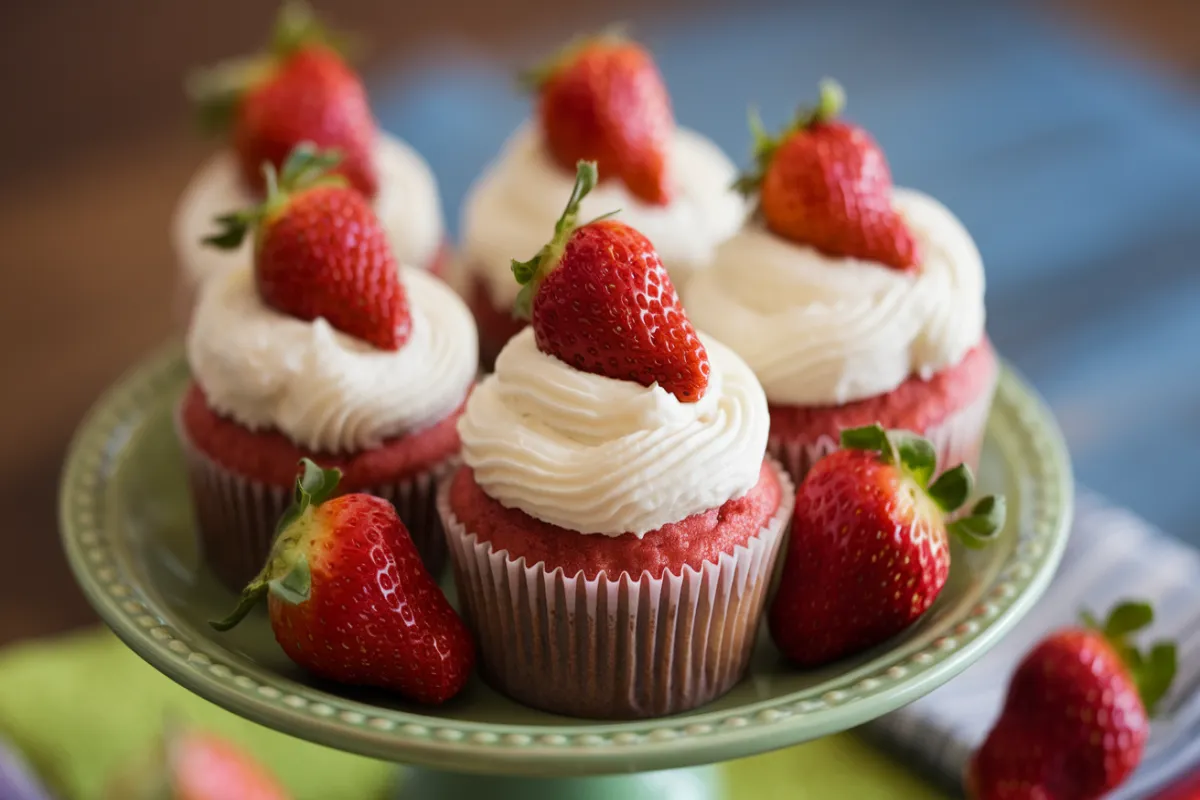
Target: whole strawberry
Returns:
[[827, 184], [320, 251], [350, 600], [190, 764], [301, 91], [1076, 717], [599, 299], [602, 99], [869, 549]]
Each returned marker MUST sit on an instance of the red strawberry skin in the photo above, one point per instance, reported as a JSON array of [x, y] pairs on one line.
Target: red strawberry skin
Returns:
[[607, 103], [609, 308], [867, 556], [829, 186], [312, 96], [205, 767], [374, 615], [1073, 726], [324, 254]]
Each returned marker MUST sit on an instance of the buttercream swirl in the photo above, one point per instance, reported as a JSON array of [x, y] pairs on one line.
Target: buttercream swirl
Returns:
[[604, 456], [325, 390], [821, 330], [407, 205], [511, 210]]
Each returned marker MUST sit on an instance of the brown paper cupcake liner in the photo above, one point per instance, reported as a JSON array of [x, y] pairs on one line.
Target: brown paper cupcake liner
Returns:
[[236, 516], [958, 439], [616, 646]]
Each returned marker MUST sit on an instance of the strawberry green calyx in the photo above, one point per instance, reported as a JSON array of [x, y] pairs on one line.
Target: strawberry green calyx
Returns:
[[534, 78], [305, 168], [1152, 672], [915, 457], [830, 102], [531, 273], [286, 574], [218, 91]]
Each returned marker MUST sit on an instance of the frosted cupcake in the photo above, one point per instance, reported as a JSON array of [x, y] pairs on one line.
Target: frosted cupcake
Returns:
[[322, 348], [602, 99], [853, 302], [301, 91], [614, 525]]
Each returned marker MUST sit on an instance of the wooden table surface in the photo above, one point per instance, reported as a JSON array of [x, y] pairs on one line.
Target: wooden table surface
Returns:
[[95, 149]]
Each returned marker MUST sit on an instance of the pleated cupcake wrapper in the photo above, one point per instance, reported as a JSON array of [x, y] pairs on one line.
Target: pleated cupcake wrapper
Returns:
[[236, 516], [958, 439], [614, 647]]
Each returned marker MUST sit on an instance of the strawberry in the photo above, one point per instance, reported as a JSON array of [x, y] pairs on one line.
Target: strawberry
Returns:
[[600, 299], [1076, 717], [350, 600], [321, 252], [302, 91], [869, 549], [602, 99], [195, 765], [827, 184]]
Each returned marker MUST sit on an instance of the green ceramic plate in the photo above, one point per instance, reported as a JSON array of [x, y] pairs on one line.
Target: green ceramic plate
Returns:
[[127, 531]]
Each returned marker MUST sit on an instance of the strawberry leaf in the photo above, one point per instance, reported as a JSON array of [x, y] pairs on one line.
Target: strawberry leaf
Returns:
[[917, 456], [983, 525], [296, 584], [1156, 674], [234, 227], [952, 488], [869, 437], [1128, 617]]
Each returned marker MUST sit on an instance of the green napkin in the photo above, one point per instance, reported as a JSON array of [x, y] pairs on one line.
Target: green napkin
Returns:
[[79, 705]]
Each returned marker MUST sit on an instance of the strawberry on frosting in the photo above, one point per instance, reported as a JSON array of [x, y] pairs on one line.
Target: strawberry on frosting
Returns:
[[321, 252], [826, 183], [600, 299], [300, 91], [602, 99]]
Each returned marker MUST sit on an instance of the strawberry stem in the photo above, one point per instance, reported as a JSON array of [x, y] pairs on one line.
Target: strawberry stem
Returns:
[[831, 99], [1152, 673], [531, 273], [286, 573], [305, 168]]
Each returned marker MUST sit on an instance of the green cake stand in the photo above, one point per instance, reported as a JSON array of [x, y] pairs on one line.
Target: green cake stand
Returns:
[[127, 530]]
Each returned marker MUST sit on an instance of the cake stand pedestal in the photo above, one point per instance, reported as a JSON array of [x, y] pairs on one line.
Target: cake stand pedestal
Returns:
[[127, 532]]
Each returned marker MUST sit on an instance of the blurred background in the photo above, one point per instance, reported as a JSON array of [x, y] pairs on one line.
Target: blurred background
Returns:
[[1065, 133]]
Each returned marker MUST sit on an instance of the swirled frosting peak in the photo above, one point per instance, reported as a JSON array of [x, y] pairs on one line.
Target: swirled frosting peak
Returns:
[[604, 456]]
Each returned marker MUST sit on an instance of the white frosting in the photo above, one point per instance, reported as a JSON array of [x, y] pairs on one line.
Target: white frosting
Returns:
[[605, 456], [407, 205], [325, 390], [511, 210], [820, 330]]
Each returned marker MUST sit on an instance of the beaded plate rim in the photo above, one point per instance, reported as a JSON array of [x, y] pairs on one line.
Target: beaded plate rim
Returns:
[[1029, 437]]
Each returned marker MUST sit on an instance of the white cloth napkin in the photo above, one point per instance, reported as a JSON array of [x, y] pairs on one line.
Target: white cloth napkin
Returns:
[[1112, 555]]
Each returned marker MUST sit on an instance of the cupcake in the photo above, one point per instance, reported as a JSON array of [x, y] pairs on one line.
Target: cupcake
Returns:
[[602, 99], [301, 91], [854, 302], [614, 524], [322, 348]]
